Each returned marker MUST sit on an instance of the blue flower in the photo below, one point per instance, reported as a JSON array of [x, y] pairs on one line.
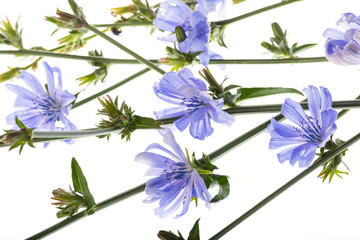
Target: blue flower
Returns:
[[173, 13], [312, 131], [176, 181], [195, 105], [41, 108], [343, 46]]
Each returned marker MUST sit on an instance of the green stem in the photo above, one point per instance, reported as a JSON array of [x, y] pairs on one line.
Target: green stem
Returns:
[[154, 61], [41, 136], [125, 49], [125, 24], [264, 9], [277, 107], [103, 92], [104, 204], [303, 174]]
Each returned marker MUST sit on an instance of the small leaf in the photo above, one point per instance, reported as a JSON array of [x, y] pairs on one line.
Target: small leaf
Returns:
[[81, 186], [164, 235], [195, 232], [247, 93], [146, 122], [303, 47], [278, 33], [224, 188]]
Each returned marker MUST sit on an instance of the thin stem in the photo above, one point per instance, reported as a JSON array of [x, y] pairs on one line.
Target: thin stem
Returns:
[[40, 136], [73, 134], [104, 204], [125, 49], [277, 107], [125, 24], [264, 9], [303, 174], [155, 61], [103, 92]]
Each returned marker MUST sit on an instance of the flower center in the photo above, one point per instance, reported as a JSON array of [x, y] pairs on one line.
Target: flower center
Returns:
[[193, 103], [47, 107], [175, 170], [186, 26], [311, 130]]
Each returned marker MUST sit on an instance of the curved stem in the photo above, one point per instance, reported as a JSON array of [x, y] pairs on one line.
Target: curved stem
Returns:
[[103, 92], [104, 204], [155, 61], [125, 49], [264, 9], [303, 174]]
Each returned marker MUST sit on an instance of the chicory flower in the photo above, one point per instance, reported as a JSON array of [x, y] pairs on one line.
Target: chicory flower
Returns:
[[176, 180], [343, 45], [42, 108], [174, 13], [311, 131], [194, 105]]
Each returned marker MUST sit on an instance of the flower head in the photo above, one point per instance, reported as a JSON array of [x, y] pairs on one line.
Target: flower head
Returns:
[[174, 13], [176, 181], [312, 131], [343, 45], [41, 108], [194, 105]]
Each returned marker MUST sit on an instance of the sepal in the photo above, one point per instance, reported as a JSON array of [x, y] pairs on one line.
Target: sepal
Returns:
[[122, 117], [100, 73], [194, 234], [9, 35], [279, 45], [18, 138], [178, 59], [217, 34], [330, 168]]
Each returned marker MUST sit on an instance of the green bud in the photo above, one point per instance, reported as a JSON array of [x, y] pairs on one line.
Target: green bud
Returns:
[[9, 35], [11, 74], [180, 34], [278, 33], [122, 10], [68, 202], [18, 138]]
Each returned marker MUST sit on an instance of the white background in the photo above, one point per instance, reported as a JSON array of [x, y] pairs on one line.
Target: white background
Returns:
[[309, 210]]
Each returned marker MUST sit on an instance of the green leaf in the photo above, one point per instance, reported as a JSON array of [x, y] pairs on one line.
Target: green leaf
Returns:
[[303, 47], [146, 122], [224, 188], [195, 232], [247, 93], [163, 235], [81, 186], [19, 123]]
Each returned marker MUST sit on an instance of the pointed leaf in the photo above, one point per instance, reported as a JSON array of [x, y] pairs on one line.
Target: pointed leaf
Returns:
[[247, 93], [195, 232], [303, 47], [81, 186]]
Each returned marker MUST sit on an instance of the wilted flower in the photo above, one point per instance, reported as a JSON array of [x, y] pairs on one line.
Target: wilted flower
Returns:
[[210, 5], [42, 108], [176, 179], [174, 13], [343, 45], [195, 105], [312, 131]]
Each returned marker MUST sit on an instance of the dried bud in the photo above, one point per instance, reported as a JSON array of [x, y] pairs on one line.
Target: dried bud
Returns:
[[9, 35]]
